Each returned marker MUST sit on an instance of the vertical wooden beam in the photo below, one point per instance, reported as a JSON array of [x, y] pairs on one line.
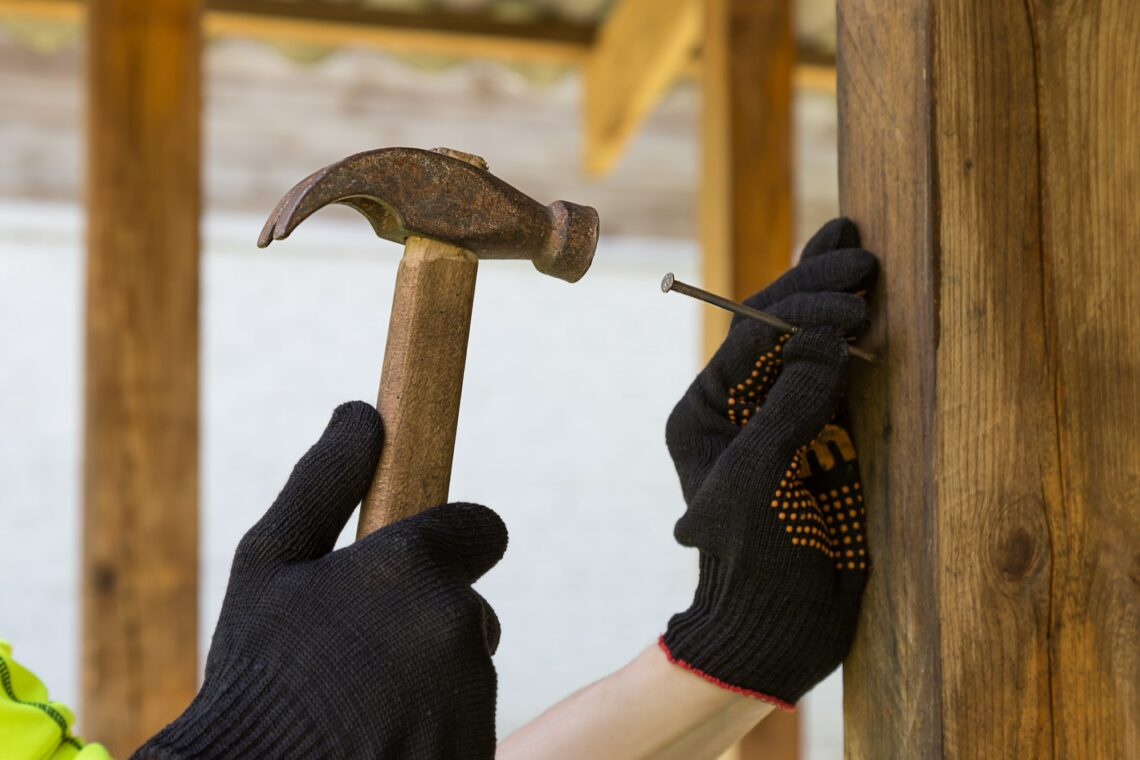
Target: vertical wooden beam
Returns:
[[990, 154], [885, 177], [746, 149], [1088, 95], [746, 220], [140, 524]]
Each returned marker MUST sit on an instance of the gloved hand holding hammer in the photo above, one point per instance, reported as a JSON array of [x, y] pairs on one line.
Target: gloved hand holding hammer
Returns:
[[379, 649]]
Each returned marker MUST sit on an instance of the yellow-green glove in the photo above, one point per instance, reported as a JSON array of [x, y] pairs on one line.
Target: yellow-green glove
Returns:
[[31, 726]]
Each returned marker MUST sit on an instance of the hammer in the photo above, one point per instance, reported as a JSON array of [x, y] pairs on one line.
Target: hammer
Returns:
[[449, 212]]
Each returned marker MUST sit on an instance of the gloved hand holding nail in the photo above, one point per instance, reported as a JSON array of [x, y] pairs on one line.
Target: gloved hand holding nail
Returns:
[[771, 484]]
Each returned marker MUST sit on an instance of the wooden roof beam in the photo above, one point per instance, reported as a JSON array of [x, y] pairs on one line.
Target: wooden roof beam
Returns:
[[462, 35], [446, 33], [642, 47]]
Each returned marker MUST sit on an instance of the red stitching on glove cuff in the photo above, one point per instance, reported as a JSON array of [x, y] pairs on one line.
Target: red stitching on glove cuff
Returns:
[[786, 706]]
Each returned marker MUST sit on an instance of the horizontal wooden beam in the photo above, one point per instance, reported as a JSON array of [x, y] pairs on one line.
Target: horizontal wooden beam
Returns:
[[443, 33], [642, 48], [48, 10], [462, 35]]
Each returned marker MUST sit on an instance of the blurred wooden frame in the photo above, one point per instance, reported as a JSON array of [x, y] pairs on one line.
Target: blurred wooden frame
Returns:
[[613, 106], [629, 61]]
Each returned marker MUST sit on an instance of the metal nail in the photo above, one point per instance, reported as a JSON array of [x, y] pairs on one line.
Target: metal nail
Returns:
[[671, 284]]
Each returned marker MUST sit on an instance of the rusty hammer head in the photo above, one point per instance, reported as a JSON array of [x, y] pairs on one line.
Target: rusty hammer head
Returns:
[[433, 194]]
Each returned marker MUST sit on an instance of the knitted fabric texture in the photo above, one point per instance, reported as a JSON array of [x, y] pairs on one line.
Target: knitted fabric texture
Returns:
[[378, 649], [771, 484]]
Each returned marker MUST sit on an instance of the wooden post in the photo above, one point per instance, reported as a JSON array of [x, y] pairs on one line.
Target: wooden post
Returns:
[[990, 153], [748, 64], [140, 523], [746, 226]]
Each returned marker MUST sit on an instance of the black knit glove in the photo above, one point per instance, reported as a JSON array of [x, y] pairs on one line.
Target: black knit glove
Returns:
[[377, 650], [772, 487]]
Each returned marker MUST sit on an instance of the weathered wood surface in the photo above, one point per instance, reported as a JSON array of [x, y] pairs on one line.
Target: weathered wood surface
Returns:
[[1088, 111], [421, 381], [991, 155], [892, 702], [140, 522], [746, 197]]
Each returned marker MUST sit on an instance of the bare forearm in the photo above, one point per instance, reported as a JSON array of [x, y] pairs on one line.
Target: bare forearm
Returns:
[[648, 709]]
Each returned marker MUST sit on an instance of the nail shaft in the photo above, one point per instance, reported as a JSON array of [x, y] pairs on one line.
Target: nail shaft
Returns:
[[671, 284]]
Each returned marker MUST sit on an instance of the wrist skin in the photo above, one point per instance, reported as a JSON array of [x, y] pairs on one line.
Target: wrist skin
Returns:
[[649, 709]]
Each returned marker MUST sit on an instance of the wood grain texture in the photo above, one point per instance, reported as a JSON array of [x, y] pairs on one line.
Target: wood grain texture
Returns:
[[1088, 115], [1001, 617], [746, 214], [140, 520], [641, 48], [421, 381], [892, 703], [994, 444], [746, 198]]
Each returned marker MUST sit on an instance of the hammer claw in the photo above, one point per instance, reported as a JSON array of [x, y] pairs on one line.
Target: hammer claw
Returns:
[[274, 228], [407, 191]]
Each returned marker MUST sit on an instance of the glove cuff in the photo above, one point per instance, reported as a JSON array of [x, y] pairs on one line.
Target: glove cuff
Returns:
[[754, 633], [786, 706], [241, 711]]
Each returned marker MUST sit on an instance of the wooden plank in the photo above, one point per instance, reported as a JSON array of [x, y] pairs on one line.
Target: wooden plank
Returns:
[[989, 154], [444, 33], [140, 521], [746, 210], [642, 47]]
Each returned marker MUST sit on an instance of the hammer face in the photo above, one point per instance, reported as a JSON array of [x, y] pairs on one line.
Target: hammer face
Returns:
[[572, 241], [407, 191]]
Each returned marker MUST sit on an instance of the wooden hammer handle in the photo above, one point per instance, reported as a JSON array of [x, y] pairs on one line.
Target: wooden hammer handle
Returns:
[[421, 381]]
